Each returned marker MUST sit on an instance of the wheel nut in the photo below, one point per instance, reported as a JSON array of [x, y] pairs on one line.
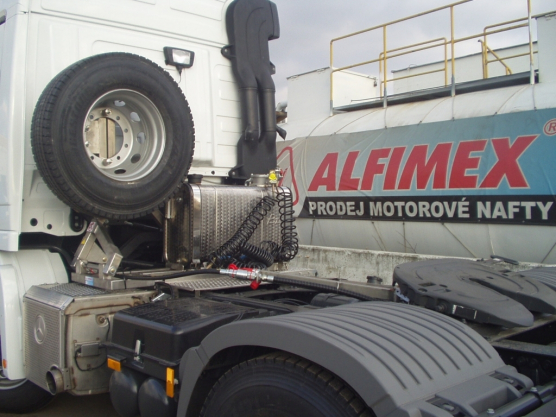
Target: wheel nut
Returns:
[[107, 161], [106, 112], [87, 144]]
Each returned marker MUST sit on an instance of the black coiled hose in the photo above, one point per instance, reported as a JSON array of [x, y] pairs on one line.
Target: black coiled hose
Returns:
[[290, 242], [245, 255], [233, 247], [257, 254]]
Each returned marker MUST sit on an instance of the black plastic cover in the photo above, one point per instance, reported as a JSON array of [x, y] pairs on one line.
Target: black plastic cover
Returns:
[[332, 300], [167, 329], [474, 291], [546, 275], [250, 25]]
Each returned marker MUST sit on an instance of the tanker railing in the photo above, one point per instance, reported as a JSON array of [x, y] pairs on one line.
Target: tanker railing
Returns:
[[387, 54], [433, 44], [486, 49]]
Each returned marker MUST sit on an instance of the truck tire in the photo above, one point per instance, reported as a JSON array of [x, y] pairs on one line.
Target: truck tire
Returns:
[[282, 385], [21, 396], [113, 136]]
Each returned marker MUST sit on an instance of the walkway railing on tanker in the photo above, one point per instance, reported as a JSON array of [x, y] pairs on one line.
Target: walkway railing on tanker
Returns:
[[387, 54], [488, 30]]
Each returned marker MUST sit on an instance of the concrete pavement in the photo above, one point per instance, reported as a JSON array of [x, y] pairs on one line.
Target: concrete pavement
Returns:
[[65, 405]]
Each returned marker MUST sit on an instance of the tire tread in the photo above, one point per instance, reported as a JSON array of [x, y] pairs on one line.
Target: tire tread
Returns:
[[42, 141], [323, 378]]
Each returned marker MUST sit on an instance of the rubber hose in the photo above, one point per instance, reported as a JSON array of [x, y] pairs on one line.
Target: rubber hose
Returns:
[[170, 276], [321, 287]]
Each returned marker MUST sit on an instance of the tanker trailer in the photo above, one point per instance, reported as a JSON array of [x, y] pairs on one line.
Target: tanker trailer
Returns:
[[458, 169]]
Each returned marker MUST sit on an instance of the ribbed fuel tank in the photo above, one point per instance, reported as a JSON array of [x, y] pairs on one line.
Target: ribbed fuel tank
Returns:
[[208, 215]]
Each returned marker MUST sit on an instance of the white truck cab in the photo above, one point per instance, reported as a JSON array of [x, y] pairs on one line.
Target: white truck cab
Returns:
[[42, 38]]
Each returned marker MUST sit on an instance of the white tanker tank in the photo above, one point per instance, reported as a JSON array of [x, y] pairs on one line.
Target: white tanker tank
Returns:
[[469, 174]]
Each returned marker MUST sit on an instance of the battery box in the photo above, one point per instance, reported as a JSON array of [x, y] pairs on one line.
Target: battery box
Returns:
[[154, 336]]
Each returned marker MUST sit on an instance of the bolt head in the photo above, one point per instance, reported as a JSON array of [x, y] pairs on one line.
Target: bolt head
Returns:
[[106, 161], [106, 112]]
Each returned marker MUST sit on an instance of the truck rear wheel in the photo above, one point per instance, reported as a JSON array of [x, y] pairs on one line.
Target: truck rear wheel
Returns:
[[282, 385], [113, 136]]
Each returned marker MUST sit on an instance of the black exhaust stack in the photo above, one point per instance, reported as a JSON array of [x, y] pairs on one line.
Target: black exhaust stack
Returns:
[[250, 25]]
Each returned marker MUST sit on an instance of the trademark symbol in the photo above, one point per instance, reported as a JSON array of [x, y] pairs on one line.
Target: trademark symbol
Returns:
[[550, 128]]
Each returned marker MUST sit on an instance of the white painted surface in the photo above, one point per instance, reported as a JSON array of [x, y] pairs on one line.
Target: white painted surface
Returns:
[[468, 68], [464, 106], [45, 37], [18, 272], [12, 122], [546, 27]]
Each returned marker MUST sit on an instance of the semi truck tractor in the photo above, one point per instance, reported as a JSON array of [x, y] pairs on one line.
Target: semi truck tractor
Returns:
[[149, 249]]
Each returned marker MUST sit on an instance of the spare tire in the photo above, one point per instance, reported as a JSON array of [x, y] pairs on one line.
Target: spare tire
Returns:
[[113, 136]]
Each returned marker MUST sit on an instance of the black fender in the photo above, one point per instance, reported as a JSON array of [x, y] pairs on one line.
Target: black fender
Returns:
[[391, 354]]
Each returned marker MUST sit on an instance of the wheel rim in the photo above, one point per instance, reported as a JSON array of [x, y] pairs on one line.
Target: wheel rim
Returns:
[[124, 135]]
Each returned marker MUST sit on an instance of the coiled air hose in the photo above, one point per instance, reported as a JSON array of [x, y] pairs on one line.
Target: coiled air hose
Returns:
[[227, 253], [238, 251]]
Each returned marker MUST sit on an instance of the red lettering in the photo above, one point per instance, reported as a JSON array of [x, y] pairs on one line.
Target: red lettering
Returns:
[[326, 174], [391, 177], [417, 162], [346, 181], [507, 164], [374, 167], [464, 161]]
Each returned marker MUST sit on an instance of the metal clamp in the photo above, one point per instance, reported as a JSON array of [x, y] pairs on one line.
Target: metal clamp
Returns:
[[97, 257]]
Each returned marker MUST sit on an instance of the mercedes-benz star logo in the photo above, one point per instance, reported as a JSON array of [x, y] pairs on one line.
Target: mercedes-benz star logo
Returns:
[[40, 329]]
